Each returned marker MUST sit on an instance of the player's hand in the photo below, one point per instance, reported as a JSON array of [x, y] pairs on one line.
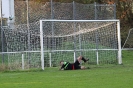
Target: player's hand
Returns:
[[61, 69]]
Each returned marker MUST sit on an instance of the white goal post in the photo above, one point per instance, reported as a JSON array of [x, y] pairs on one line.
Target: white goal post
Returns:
[[80, 36]]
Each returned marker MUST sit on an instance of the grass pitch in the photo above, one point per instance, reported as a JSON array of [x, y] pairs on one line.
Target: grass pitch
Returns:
[[98, 76]]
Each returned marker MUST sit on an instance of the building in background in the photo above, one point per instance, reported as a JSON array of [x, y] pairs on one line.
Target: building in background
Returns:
[[7, 11]]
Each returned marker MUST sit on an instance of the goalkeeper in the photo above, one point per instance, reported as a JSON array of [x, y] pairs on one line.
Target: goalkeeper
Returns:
[[73, 66]]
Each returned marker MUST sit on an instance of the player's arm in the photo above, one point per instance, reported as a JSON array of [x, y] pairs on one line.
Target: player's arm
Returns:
[[62, 67]]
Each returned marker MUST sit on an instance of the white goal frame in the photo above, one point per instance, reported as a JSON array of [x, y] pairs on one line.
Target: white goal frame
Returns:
[[118, 36]]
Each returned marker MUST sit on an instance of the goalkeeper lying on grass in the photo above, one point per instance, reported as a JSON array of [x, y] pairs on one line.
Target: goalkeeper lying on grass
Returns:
[[73, 66]]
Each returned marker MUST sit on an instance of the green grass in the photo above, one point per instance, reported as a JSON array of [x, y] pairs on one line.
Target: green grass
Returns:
[[102, 76]]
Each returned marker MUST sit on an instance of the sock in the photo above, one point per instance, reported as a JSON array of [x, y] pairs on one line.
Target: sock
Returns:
[[84, 59]]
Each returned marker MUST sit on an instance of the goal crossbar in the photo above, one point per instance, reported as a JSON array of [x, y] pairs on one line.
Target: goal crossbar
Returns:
[[79, 20]]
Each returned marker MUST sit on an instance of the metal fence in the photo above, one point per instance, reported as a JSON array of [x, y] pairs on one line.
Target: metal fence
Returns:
[[28, 14], [65, 11]]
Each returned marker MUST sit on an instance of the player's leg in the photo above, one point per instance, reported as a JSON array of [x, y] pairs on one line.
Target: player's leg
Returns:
[[78, 61], [81, 58], [83, 67]]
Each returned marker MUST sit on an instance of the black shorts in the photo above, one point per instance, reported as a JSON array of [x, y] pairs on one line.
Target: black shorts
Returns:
[[73, 66], [77, 65]]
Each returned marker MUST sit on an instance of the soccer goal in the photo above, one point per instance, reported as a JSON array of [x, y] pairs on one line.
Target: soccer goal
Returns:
[[98, 40]]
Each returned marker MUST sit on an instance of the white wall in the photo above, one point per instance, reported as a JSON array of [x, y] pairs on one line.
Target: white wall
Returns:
[[5, 8], [8, 10]]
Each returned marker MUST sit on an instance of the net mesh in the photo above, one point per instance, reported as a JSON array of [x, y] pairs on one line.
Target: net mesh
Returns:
[[63, 39], [23, 41]]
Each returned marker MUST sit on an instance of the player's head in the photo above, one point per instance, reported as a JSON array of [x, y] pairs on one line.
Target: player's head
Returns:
[[61, 62]]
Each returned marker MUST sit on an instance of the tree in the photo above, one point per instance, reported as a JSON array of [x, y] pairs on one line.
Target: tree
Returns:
[[125, 14]]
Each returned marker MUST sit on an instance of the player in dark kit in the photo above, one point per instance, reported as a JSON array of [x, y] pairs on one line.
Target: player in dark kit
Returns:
[[73, 66]]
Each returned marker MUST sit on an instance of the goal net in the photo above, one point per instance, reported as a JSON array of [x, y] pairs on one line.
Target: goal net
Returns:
[[48, 42], [98, 40]]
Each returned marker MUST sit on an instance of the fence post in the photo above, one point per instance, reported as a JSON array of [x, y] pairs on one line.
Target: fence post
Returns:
[[97, 58], [50, 64], [95, 4], [114, 11], [74, 31], [22, 61]]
